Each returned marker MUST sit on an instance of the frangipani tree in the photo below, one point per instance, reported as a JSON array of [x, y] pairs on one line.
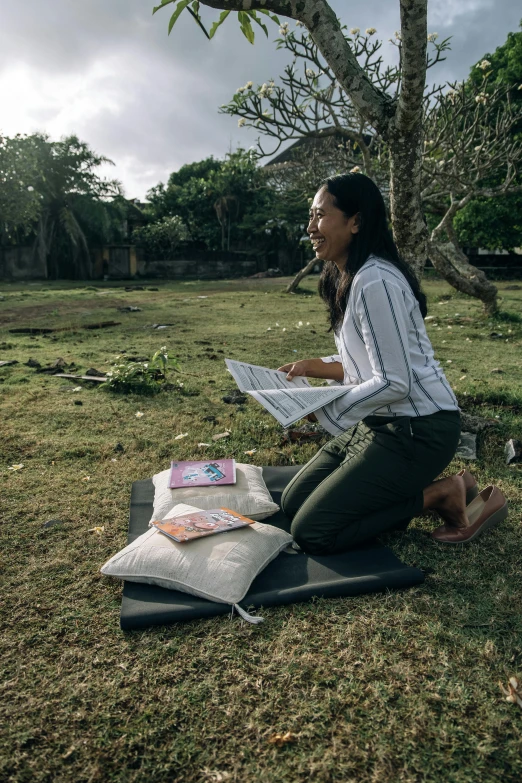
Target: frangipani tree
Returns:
[[430, 149], [395, 115], [470, 151]]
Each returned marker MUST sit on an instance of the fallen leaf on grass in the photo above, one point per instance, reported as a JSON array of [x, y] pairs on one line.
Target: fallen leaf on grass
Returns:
[[15, 467], [282, 739], [221, 435], [202, 445], [181, 435], [513, 692], [86, 478], [77, 389], [98, 529], [250, 452]]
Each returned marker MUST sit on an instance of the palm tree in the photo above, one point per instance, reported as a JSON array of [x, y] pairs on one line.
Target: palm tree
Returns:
[[78, 207]]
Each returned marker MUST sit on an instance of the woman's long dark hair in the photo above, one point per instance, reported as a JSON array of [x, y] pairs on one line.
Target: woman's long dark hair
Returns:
[[358, 194]]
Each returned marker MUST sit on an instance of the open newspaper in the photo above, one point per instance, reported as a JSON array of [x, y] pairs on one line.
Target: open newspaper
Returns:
[[287, 401]]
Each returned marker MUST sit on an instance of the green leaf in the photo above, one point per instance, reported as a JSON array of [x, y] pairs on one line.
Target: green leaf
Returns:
[[223, 15], [253, 16], [273, 17], [246, 27], [194, 12], [163, 4], [175, 16]]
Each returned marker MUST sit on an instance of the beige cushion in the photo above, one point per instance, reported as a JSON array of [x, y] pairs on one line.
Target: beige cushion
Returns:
[[248, 496], [220, 567]]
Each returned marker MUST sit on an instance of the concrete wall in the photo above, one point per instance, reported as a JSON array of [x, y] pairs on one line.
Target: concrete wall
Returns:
[[204, 266], [21, 263]]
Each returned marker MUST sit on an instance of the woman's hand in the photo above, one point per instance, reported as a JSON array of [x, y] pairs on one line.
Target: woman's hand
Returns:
[[314, 368], [303, 367]]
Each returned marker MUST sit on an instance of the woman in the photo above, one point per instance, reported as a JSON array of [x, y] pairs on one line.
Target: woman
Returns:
[[398, 425]]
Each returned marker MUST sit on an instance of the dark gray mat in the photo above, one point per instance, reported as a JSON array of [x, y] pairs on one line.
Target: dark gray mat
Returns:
[[287, 579]]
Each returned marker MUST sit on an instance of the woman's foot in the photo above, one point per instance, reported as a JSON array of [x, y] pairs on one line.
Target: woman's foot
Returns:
[[448, 498], [470, 483]]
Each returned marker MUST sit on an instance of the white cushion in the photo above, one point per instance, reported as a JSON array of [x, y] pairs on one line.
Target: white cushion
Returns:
[[248, 496], [220, 567]]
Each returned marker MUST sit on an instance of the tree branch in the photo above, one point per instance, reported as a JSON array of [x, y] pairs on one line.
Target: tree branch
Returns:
[[324, 27]]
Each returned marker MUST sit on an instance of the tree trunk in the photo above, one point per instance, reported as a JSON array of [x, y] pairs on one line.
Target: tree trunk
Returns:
[[306, 270], [409, 225], [405, 139], [450, 262]]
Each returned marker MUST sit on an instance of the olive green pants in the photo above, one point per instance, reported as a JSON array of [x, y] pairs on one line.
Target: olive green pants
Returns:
[[368, 480]]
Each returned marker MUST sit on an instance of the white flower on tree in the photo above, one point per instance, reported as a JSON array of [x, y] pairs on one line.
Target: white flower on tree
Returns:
[[284, 28], [484, 65], [355, 31], [481, 98], [431, 37], [370, 31], [241, 121], [355, 170], [265, 91]]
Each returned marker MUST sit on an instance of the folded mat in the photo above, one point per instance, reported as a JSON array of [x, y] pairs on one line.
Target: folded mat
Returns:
[[287, 579]]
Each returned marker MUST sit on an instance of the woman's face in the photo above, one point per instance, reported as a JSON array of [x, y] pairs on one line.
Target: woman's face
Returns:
[[330, 231]]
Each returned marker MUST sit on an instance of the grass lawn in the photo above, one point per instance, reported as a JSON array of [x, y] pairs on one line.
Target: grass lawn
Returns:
[[400, 686]]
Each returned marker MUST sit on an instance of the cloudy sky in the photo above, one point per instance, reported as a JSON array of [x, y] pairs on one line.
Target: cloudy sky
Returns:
[[107, 71]]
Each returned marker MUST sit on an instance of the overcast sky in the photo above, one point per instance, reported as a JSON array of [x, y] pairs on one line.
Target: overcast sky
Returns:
[[107, 71]]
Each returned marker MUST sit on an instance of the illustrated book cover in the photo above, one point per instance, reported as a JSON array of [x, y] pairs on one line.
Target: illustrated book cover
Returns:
[[205, 473], [202, 523]]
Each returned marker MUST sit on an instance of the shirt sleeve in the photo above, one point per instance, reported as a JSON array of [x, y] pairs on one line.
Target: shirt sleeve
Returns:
[[330, 359], [383, 316]]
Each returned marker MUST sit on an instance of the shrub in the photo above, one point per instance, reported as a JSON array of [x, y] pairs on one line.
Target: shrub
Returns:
[[132, 377]]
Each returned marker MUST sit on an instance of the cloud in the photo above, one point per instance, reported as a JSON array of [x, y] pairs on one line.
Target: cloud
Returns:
[[110, 73]]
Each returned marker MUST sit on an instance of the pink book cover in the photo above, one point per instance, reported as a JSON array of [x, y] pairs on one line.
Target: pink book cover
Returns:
[[207, 473], [202, 523]]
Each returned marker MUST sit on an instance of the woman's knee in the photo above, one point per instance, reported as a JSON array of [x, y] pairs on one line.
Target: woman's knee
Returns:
[[310, 537], [289, 506]]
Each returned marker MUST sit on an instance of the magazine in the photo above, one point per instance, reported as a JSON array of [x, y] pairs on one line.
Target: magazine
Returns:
[[287, 401], [205, 473], [201, 523]]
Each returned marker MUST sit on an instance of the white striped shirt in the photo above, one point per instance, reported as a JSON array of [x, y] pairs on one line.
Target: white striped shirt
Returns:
[[387, 357]]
